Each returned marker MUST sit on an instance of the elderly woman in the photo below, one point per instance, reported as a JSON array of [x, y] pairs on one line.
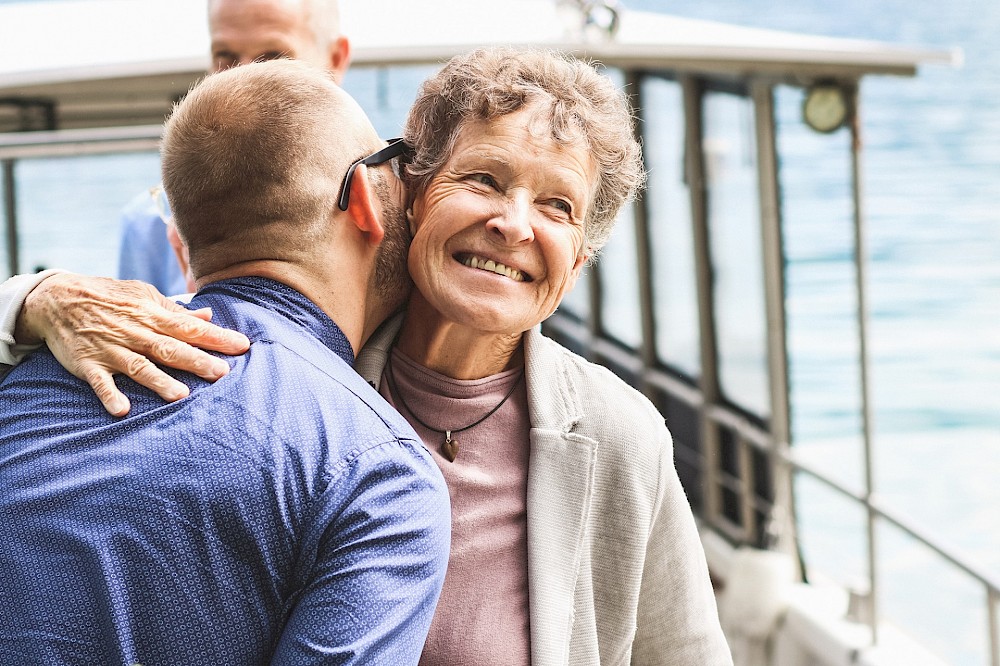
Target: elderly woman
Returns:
[[572, 538]]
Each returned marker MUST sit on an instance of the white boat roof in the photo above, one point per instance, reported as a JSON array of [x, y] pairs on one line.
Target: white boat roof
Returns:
[[104, 57]]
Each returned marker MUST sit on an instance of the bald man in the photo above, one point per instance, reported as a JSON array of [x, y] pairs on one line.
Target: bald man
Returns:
[[242, 31], [285, 514]]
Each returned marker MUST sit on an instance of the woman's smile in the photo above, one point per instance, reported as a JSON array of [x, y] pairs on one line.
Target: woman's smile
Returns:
[[489, 265]]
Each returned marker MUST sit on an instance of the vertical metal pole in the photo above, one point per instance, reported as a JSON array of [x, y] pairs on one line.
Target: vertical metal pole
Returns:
[[643, 258], [991, 616], [748, 500], [773, 257], [10, 216], [861, 273], [708, 382]]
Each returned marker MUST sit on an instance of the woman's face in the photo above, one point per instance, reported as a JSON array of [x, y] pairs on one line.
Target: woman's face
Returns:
[[498, 233]]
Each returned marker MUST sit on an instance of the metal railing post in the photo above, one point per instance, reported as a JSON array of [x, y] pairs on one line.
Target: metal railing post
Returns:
[[10, 216], [708, 382], [861, 279], [773, 256], [992, 599]]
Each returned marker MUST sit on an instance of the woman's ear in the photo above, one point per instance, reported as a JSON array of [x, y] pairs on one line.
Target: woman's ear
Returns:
[[413, 208], [580, 264], [362, 207]]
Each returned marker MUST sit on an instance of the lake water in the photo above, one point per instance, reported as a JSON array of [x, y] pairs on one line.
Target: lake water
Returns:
[[932, 181]]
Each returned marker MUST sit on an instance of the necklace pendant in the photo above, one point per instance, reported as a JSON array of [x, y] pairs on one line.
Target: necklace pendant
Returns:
[[449, 448]]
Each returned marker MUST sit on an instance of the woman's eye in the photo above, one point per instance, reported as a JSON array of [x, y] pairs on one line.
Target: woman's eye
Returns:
[[485, 179], [562, 206]]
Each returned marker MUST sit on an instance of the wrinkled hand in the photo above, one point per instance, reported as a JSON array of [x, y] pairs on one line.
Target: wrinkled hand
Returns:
[[97, 327]]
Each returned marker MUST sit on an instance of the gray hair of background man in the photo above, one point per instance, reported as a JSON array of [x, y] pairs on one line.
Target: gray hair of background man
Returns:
[[584, 106]]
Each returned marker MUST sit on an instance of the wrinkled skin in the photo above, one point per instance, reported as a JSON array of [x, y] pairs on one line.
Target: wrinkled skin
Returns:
[[97, 327]]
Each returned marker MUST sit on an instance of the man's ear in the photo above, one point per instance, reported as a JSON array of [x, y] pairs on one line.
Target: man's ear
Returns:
[[339, 57], [363, 208], [181, 251]]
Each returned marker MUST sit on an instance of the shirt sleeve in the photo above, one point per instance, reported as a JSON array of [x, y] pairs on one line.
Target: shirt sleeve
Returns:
[[12, 295], [374, 566]]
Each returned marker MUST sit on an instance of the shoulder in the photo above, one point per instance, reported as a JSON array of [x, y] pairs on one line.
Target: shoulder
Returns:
[[301, 381], [634, 450], [633, 469], [606, 404], [322, 381]]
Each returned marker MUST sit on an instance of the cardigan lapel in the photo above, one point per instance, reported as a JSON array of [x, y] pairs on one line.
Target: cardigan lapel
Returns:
[[373, 356], [560, 483]]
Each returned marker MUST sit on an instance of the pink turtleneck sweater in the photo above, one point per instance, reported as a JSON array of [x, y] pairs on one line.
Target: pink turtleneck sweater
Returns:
[[482, 617]]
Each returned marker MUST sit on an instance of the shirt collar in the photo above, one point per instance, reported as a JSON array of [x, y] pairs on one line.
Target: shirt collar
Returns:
[[288, 302]]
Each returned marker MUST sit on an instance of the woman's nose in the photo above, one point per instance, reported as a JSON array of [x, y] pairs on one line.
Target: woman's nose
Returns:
[[513, 222]]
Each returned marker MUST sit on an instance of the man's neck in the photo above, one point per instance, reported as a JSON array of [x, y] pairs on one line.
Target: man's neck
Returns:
[[342, 300]]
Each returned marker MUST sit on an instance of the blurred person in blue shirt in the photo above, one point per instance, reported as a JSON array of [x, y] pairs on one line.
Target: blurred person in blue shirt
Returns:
[[242, 31], [284, 514]]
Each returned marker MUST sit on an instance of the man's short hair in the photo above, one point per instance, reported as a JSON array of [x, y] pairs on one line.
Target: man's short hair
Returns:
[[252, 162]]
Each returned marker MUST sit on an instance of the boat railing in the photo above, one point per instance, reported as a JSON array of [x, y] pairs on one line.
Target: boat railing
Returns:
[[663, 387], [17, 146], [736, 465]]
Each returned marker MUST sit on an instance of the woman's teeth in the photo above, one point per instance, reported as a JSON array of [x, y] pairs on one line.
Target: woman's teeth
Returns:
[[498, 268]]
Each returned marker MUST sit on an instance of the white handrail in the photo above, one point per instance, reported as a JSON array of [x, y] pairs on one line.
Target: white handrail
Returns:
[[90, 141]]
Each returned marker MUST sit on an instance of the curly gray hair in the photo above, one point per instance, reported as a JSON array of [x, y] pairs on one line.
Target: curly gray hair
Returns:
[[585, 105]]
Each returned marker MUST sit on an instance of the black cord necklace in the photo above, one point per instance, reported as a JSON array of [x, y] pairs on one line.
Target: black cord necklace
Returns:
[[449, 448]]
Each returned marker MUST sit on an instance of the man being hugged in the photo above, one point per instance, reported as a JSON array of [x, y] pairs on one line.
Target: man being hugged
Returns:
[[284, 514]]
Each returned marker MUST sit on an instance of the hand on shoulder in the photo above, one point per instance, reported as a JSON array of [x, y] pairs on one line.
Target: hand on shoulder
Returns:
[[97, 327]]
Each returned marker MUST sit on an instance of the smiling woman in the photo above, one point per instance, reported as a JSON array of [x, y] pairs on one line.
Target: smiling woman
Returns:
[[571, 536]]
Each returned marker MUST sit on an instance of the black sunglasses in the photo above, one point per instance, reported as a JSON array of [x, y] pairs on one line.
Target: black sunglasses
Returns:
[[395, 148]]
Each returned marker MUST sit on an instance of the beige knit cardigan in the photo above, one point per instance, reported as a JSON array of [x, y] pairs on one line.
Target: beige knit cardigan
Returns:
[[616, 570]]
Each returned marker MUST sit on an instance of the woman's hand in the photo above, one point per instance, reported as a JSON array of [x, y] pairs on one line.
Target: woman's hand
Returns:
[[97, 327]]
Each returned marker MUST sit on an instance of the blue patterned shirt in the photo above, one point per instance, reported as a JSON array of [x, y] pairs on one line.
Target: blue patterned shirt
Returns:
[[284, 514]]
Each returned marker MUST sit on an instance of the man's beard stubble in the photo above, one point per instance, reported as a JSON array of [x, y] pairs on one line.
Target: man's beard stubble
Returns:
[[392, 280]]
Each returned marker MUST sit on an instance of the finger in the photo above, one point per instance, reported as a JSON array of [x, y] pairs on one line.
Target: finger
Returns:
[[114, 401], [203, 334], [205, 314], [143, 371], [170, 352]]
